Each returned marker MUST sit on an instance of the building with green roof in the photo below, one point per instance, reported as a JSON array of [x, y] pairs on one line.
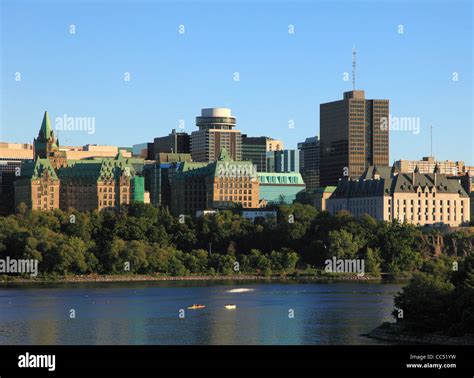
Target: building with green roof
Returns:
[[221, 184], [52, 181], [279, 188]]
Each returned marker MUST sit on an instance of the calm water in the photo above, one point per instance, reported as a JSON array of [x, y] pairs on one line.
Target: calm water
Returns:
[[148, 313]]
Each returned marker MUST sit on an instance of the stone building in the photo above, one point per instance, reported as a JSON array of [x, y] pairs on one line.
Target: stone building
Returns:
[[416, 198], [52, 181], [217, 185]]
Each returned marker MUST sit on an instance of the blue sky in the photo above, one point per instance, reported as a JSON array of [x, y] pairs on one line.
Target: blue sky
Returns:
[[282, 76]]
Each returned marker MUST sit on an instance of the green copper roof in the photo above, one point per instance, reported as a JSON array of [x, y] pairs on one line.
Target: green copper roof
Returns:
[[35, 170], [224, 155], [99, 168], [46, 131], [224, 167], [189, 167]]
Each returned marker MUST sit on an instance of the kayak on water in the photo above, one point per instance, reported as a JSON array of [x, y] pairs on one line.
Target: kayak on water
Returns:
[[196, 307]]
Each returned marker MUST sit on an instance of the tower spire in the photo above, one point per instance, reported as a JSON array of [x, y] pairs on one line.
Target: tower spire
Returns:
[[45, 130]]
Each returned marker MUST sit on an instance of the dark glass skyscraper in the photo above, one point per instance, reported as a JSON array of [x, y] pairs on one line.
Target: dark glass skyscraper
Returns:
[[309, 162], [354, 135]]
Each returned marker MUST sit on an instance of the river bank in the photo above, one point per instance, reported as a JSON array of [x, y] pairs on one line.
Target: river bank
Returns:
[[156, 277], [392, 332]]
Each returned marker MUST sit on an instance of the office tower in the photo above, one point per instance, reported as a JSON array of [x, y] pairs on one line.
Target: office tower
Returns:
[[254, 149], [216, 132], [12, 155], [175, 142], [156, 175], [283, 161], [309, 162], [354, 135]]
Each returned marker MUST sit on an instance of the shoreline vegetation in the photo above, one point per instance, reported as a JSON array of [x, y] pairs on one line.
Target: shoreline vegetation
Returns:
[[146, 240], [392, 332], [436, 307], [323, 277]]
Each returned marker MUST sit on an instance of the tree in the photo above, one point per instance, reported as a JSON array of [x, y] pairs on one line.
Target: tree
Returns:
[[372, 261], [344, 245]]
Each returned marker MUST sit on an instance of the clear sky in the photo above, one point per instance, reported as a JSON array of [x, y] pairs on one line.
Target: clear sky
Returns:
[[282, 76]]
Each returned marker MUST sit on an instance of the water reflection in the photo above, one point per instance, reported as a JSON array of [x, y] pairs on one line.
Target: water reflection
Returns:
[[148, 313]]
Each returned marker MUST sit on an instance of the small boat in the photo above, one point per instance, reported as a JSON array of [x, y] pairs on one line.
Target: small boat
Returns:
[[230, 306], [196, 307]]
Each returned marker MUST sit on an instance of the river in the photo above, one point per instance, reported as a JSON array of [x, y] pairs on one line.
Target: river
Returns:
[[151, 312]]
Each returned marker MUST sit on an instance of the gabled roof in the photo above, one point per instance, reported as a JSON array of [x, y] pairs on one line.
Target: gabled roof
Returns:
[[396, 183], [37, 169], [380, 170], [99, 168]]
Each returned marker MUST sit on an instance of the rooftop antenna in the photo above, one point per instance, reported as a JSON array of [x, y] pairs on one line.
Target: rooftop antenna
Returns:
[[354, 63]]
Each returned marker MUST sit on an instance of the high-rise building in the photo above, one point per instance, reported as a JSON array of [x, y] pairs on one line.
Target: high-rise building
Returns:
[[12, 156], [156, 175], [354, 135], [216, 132], [309, 162], [254, 149], [175, 142], [283, 161]]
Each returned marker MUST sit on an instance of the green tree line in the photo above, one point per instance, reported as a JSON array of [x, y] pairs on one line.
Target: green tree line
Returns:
[[146, 239]]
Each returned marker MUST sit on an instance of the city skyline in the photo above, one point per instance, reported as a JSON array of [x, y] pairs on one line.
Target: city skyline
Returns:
[[82, 74]]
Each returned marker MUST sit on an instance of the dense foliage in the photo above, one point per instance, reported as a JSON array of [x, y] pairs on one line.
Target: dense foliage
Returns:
[[146, 239], [439, 298]]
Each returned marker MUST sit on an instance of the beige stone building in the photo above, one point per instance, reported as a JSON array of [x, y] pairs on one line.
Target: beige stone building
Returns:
[[38, 187], [428, 163], [416, 198]]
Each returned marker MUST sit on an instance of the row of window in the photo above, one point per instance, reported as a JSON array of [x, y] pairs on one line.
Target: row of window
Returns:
[[434, 202], [234, 191]]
